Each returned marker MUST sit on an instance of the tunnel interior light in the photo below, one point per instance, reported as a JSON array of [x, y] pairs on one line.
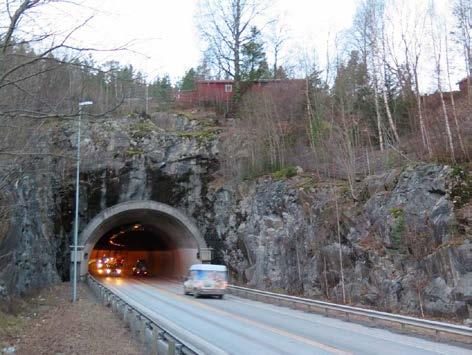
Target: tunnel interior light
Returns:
[[112, 241]]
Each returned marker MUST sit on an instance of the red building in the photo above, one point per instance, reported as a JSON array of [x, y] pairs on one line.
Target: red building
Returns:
[[219, 93], [214, 91], [207, 93]]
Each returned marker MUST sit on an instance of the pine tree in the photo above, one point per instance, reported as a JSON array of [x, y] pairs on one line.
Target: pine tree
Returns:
[[254, 62], [161, 90], [188, 81]]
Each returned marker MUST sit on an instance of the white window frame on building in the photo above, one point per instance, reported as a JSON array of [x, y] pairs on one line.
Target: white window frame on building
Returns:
[[228, 87]]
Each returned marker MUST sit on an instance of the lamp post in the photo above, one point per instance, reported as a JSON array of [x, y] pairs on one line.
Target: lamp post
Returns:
[[76, 220]]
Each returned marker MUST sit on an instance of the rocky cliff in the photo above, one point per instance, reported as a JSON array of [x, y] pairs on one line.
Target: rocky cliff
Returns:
[[403, 245]]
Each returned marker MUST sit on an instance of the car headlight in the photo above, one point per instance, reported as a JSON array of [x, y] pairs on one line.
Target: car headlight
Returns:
[[108, 271]]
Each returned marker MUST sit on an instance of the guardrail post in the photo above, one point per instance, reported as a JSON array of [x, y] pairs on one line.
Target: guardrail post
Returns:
[[116, 301], [148, 337], [134, 323], [171, 349], [154, 338], [141, 328], [137, 325], [126, 314], [120, 309], [112, 302], [162, 346]]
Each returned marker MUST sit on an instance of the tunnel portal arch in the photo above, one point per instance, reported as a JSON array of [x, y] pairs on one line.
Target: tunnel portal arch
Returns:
[[173, 223]]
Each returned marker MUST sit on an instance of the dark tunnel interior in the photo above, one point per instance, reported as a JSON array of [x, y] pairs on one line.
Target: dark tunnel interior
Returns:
[[165, 247], [135, 236]]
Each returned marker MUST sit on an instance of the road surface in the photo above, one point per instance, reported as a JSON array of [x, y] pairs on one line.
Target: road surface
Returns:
[[241, 326]]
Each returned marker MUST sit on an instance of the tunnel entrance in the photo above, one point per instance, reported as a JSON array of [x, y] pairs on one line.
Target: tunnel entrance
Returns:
[[166, 239]]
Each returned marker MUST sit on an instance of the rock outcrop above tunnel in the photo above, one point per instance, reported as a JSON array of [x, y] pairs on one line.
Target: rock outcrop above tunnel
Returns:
[[405, 243]]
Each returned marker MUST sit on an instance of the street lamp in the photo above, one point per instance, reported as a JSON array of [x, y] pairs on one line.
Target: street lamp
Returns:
[[76, 223]]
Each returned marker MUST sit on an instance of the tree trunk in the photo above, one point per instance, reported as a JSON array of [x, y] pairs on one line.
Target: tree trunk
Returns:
[[391, 123], [340, 251], [423, 130], [453, 104], [446, 121], [421, 302], [236, 51], [377, 115]]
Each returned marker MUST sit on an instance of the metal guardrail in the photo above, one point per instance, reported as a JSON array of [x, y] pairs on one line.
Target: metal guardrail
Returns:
[[459, 332], [158, 334]]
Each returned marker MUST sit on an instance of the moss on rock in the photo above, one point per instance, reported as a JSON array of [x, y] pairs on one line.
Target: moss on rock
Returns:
[[142, 128], [461, 190]]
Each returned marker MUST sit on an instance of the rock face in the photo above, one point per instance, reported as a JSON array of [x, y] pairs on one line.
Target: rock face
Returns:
[[403, 244], [402, 247], [166, 158]]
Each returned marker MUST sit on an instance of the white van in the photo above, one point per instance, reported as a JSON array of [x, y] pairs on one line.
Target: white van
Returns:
[[206, 279]]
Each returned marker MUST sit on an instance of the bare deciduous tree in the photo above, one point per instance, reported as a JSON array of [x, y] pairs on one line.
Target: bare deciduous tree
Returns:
[[277, 38], [436, 37], [463, 13]]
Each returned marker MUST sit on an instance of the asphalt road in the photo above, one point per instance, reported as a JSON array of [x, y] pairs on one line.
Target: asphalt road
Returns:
[[240, 326]]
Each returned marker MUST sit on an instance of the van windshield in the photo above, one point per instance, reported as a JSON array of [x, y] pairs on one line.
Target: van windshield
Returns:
[[209, 275]]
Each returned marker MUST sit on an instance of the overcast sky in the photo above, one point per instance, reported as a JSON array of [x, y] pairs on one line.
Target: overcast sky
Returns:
[[163, 34]]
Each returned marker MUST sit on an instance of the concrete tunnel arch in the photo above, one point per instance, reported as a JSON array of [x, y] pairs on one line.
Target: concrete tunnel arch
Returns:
[[177, 227]]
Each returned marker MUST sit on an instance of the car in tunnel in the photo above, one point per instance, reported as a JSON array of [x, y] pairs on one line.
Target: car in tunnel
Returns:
[[206, 279], [140, 268], [113, 267], [100, 265]]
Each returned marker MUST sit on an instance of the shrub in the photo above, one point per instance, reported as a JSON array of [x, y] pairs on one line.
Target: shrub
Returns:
[[398, 228], [285, 172]]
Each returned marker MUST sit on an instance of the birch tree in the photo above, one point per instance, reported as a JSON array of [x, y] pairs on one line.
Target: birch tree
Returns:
[[451, 95], [462, 12], [437, 43]]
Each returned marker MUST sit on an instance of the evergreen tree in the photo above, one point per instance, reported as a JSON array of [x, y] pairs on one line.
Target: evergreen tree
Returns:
[[319, 101], [188, 81], [161, 90], [254, 61], [280, 73]]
